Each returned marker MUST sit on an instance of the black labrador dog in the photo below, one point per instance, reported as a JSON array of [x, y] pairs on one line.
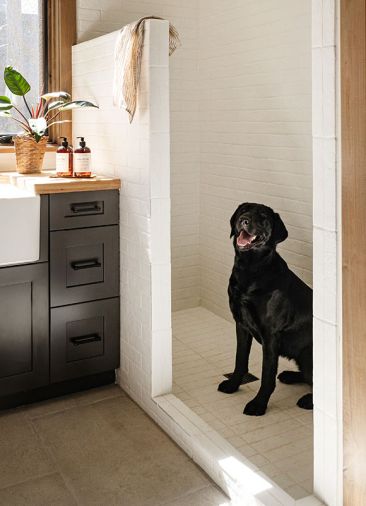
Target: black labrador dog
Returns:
[[270, 303]]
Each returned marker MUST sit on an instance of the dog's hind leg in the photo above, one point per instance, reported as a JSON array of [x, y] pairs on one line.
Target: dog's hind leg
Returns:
[[291, 377], [305, 362], [306, 401], [243, 346]]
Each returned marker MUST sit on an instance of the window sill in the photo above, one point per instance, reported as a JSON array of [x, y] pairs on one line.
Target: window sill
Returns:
[[10, 149]]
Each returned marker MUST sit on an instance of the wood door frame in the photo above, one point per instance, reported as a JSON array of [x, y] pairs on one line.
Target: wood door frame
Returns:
[[353, 152]]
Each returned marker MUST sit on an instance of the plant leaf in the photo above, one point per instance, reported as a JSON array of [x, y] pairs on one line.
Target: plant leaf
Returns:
[[55, 105], [62, 95], [5, 100], [16, 83], [61, 121], [5, 103], [38, 125], [77, 104], [5, 113]]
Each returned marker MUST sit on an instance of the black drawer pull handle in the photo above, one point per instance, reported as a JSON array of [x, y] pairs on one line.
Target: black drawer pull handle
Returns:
[[85, 207], [88, 338], [85, 264]]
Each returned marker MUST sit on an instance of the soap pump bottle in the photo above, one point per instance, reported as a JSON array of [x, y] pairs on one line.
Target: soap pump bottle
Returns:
[[64, 159], [82, 159]]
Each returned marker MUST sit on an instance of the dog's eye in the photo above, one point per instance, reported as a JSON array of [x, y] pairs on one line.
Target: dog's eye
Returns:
[[246, 222]]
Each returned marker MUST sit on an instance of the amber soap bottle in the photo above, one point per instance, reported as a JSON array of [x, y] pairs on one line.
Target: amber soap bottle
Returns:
[[64, 159], [82, 160]]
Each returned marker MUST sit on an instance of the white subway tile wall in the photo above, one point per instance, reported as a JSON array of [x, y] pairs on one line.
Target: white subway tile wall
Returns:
[[255, 111], [133, 153], [327, 258], [99, 17], [240, 128]]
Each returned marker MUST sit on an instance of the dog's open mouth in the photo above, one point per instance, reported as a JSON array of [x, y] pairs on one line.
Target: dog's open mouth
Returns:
[[245, 240]]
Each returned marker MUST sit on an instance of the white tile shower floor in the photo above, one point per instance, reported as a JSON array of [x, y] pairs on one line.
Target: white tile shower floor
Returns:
[[280, 443]]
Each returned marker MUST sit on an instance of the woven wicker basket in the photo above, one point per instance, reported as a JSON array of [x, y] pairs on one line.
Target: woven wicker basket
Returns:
[[29, 154]]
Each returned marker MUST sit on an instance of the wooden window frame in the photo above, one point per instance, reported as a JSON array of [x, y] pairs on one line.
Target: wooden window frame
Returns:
[[61, 36], [60, 18]]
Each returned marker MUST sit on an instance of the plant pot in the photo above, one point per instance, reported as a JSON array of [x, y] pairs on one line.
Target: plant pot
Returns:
[[29, 154]]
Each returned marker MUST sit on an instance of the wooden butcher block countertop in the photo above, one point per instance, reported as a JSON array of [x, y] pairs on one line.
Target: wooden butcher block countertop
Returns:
[[44, 183]]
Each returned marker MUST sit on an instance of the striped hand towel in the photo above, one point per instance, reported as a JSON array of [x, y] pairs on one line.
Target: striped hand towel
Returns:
[[127, 62]]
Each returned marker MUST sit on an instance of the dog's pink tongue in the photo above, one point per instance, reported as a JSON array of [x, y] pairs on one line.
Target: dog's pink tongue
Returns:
[[243, 239]]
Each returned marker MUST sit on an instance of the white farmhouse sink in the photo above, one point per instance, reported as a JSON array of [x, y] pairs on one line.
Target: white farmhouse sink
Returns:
[[19, 225]]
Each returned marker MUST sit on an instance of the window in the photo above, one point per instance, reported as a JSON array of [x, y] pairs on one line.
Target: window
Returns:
[[22, 45]]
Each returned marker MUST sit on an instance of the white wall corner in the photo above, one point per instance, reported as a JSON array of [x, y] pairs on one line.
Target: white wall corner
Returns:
[[327, 375]]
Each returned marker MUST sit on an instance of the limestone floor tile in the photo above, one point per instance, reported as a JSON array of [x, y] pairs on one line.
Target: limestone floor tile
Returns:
[[203, 350], [62, 403], [296, 491], [111, 453], [22, 456], [209, 496], [49, 490], [97, 394], [48, 407]]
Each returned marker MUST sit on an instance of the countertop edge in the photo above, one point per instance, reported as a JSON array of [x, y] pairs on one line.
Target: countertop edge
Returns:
[[43, 184]]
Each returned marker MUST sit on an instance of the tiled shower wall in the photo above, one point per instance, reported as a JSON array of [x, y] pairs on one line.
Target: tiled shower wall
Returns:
[[99, 17], [240, 127], [255, 110]]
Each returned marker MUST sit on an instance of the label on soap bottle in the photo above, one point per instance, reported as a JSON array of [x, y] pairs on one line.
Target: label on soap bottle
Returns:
[[82, 162], [62, 162]]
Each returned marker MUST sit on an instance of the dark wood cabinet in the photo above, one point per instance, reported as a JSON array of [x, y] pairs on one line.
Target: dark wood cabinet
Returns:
[[24, 315], [59, 317]]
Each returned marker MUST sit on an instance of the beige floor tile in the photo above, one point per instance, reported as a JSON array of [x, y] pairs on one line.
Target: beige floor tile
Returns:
[[98, 394], [284, 481], [287, 450], [46, 491], [111, 453], [209, 496], [307, 485], [258, 460], [22, 455], [296, 491], [288, 443], [49, 407], [58, 404]]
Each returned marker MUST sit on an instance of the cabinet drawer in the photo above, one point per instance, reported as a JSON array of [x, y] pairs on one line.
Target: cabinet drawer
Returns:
[[84, 339], [84, 265], [84, 209]]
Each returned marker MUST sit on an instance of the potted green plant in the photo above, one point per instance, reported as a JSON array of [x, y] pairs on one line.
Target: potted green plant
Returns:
[[31, 145]]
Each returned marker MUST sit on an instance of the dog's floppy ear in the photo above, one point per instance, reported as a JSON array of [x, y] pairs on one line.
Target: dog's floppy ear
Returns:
[[279, 231], [234, 218]]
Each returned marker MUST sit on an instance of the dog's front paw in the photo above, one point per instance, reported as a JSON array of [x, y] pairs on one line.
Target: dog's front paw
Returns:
[[228, 386], [255, 408]]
